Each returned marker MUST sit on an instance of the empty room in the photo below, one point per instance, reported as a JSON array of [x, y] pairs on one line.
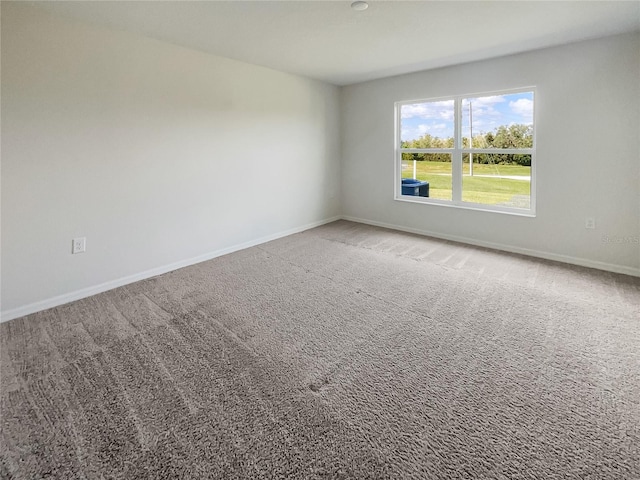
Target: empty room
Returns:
[[320, 239]]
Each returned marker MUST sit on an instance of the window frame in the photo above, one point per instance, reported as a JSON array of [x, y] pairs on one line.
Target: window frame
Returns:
[[457, 153]]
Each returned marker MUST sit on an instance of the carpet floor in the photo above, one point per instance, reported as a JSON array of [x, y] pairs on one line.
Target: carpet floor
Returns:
[[346, 351]]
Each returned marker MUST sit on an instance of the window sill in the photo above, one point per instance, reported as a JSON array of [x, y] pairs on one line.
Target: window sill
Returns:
[[520, 212]]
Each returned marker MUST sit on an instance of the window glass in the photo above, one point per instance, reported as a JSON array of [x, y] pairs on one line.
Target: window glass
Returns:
[[498, 121], [427, 124], [497, 180], [434, 168]]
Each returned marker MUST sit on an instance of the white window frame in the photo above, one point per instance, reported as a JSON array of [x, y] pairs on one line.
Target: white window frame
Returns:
[[457, 154]]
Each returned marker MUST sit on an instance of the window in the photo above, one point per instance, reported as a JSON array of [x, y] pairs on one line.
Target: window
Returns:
[[472, 151]]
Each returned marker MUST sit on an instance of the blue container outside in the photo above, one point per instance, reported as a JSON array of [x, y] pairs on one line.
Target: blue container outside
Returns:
[[411, 186]]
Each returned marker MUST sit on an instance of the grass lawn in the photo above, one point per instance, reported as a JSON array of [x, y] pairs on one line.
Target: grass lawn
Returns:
[[476, 189]]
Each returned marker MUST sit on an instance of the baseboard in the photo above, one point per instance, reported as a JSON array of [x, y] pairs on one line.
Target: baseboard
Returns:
[[583, 262], [110, 285]]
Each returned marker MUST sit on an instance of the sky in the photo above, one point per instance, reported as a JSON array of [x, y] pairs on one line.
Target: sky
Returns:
[[437, 118]]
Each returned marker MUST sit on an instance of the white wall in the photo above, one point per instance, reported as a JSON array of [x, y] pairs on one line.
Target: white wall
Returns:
[[588, 153], [156, 153]]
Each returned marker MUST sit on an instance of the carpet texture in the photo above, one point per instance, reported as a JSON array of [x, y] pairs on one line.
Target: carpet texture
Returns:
[[346, 351]]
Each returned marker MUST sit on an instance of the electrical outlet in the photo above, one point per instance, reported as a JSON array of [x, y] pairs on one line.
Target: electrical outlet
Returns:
[[79, 245], [590, 222]]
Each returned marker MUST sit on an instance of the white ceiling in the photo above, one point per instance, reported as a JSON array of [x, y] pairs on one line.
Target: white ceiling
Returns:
[[329, 41]]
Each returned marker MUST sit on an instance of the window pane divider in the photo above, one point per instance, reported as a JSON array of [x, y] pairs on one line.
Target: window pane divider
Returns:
[[503, 151], [427, 150], [456, 156]]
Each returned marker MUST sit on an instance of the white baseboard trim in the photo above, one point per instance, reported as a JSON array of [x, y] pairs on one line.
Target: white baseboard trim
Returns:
[[583, 262], [110, 285]]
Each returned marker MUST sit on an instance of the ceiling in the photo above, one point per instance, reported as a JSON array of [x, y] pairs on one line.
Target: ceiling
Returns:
[[329, 41]]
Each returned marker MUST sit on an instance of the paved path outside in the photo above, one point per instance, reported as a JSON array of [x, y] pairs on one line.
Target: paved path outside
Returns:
[[512, 177]]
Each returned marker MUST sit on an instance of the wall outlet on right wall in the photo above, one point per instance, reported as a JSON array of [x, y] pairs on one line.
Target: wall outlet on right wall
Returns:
[[590, 222], [79, 245]]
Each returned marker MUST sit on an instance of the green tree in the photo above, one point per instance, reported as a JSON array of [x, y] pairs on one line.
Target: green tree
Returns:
[[505, 136]]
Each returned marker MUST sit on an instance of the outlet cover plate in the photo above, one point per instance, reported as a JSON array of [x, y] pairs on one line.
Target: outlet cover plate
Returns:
[[79, 245]]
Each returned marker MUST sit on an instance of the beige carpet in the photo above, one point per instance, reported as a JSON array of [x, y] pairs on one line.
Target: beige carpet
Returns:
[[346, 351]]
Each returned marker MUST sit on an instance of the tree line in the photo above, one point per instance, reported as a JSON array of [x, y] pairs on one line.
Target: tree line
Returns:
[[506, 137]]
